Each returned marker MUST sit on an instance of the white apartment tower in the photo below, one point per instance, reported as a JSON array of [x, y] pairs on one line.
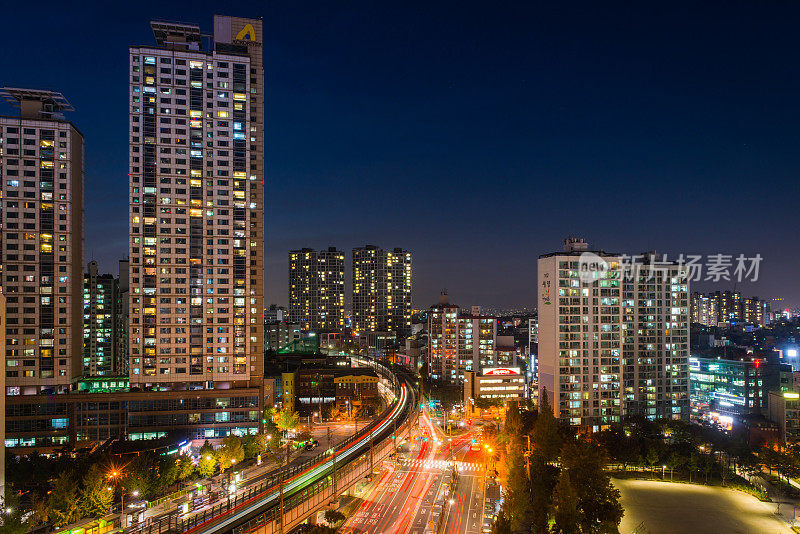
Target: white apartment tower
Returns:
[[41, 162], [197, 207], [316, 289], [580, 334]]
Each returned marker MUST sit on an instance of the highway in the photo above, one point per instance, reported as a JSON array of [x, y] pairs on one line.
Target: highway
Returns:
[[269, 497], [412, 495]]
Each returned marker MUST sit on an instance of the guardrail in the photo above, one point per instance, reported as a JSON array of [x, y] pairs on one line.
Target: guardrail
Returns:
[[302, 501]]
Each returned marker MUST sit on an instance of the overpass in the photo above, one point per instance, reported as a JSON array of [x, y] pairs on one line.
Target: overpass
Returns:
[[288, 496]]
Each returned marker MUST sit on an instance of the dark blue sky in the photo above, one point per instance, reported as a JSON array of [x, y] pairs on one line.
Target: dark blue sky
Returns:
[[477, 135]]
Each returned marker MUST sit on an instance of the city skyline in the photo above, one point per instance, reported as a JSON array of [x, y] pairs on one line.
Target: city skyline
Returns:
[[538, 145]]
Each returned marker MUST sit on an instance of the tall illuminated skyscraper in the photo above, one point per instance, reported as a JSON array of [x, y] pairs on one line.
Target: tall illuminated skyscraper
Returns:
[[100, 298], [41, 162], [197, 207], [382, 290], [316, 289]]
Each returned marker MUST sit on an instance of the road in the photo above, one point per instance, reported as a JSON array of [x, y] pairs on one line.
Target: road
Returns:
[[413, 494]]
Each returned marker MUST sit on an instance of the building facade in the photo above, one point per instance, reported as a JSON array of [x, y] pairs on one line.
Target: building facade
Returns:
[[382, 290], [316, 289], [580, 334], [41, 243], [101, 311], [461, 342], [704, 309], [196, 207], [655, 350]]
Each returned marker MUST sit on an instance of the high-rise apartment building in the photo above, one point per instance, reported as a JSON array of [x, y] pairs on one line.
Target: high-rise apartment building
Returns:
[[100, 316], [41, 162], [613, 338], [121, 323], [316, 289], [382, 290], [196, 206], [459, 342], [580, 334], [704, 309], [655, 345], [754, 311], [2, 403]]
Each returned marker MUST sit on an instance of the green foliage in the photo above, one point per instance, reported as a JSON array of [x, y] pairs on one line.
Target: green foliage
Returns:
[[254, 445], [12, 523], [546, 437], [501, 525], [207, 464], [517, 489], [185, 468], [95, 497], [287, 420], [485, 403], [62, 506], [598, 499], [334, 516], [230, 451], [566, 516]]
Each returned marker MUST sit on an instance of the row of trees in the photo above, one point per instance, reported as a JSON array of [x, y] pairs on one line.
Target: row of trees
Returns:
[[64, 489], [554, 482]]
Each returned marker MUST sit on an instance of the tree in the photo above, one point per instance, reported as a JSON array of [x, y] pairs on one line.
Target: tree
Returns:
[[598, 499], [517, 489], [567, 517], [542, 481], [207, 463], [652, 457], [501, 525], [513, 425], [95, 497], [546, 437], [62, 506], [230, 451], [185, 468], [12, 521], [333, 516], [287, 420], [695, 461], [254, 444]]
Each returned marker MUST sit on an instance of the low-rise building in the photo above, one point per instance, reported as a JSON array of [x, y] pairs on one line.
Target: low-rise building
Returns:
[[493, 385], [784, 410]]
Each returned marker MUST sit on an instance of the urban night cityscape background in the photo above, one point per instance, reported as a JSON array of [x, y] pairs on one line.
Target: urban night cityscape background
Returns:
[[416, 268]]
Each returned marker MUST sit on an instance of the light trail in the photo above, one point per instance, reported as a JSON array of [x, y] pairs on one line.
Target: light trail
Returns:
[[303, 478]]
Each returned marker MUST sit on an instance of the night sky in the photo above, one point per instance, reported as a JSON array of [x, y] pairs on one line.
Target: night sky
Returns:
[[475, 135]]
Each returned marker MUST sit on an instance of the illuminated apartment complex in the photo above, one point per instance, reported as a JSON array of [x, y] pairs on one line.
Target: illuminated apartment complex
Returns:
[[704, 309], [612, 341], [655, 347], [711, 309], [382, 290], [316, 289], [459, 342], [41, 163], [580, 336], [101, 312], [196, 207]]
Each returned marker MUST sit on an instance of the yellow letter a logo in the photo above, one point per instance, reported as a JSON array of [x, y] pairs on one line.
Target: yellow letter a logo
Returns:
[[247, 32]]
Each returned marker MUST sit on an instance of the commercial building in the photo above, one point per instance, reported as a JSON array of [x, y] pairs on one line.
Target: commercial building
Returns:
[[196, 207], [493, 384], [354, 390], [784, 410], [655, 344], [382, 290], [101, 311], [732, 388], [580, 334], [41, 243], [95, 413], [460, 342], [316, 289]]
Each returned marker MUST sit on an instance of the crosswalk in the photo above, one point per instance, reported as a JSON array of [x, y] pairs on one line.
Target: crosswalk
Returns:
[[441, 464]]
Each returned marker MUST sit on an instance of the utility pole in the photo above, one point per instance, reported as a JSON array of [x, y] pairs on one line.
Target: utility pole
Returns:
[[283, 469], [528, 457], [334, 461]]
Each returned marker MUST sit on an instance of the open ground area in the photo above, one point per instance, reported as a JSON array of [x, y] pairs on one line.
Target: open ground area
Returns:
[[667, 508]]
